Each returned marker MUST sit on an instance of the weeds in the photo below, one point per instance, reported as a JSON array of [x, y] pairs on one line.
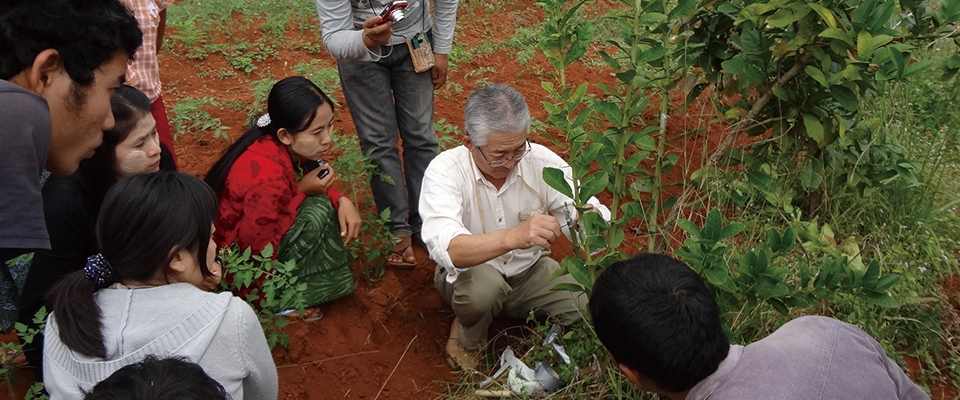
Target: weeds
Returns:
[[189, 116]]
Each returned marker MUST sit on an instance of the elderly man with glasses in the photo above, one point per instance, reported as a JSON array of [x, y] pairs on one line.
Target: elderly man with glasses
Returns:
[[489, 220]]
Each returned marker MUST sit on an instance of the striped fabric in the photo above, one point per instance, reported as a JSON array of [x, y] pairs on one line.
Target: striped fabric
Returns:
[[314, 243]]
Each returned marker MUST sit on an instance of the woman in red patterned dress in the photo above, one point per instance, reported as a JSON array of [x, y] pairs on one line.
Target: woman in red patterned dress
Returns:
[[263, 202]]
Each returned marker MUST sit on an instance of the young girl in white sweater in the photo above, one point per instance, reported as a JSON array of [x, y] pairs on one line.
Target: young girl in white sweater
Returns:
[[145, 293]]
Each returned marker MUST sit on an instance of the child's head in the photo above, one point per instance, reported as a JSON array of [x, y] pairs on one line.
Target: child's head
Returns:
[[299, 115], [153, 229], [159, 379]]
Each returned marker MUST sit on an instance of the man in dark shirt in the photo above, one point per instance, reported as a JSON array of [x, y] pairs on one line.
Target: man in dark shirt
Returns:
[[60, 61], [54, 99], [662, 327]]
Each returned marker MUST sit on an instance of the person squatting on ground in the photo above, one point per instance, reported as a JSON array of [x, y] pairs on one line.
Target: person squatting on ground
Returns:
[[71, 204], [662, 327], [159, 379], [145, 294], [54, 106], [488, 226], [386, 94], [262, 202], [144, 72]]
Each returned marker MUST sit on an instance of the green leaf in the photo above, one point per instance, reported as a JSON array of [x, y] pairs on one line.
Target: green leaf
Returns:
[[690, 227], [788, 15], [580, 272], [816, 74], [713, 227], [916, 68], [571, 287], [554, 177], [593, 184], [864, 45], [683, 8], [749, 70], [732, 230], [752, 42], [886, 282], [813, 128], [846, 97], [839, 34], [825, 14]]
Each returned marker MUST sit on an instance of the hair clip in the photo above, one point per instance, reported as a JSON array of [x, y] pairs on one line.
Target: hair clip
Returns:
[[263, 121], [99, 270]]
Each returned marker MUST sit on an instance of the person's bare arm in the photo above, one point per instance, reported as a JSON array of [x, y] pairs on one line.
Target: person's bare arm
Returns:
[[160, 28], [471, 250]]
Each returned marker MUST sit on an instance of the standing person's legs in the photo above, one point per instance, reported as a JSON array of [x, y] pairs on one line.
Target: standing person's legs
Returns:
[[163, 128], [531, 291], [476, 297], [413, 94], [368, 91]]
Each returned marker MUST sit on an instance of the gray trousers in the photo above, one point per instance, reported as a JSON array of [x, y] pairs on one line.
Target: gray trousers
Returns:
[[385, 97], [481, 292]]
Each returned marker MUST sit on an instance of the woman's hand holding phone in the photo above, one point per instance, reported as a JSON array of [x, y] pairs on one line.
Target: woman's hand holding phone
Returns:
[[311, 184]]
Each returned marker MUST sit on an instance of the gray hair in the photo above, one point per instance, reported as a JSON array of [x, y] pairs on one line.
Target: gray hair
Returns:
[[495, 109]]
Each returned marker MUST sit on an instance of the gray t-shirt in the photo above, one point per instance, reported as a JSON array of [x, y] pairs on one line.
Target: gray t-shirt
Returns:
[[809, 358], [25, 130]]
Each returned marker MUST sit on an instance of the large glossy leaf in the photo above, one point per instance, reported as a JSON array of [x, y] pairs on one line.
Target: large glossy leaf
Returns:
[[846, 97], [813, 128], [554, 177]]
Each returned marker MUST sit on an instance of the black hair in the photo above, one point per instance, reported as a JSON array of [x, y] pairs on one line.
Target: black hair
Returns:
[[86, 33], [292, 105], [98, 173], [655, 315], [144, 222], [159, 379]]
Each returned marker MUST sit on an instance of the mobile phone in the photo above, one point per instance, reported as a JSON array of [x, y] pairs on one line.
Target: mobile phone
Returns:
[[324, 173]]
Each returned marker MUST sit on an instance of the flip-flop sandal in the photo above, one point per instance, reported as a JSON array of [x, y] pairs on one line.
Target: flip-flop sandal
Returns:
[[405, 243]]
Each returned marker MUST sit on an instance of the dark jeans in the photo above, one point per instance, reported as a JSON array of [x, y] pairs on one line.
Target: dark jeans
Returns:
[[386, 97]]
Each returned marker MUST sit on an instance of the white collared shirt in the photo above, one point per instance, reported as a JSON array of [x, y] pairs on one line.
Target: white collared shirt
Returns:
[[456, 200]]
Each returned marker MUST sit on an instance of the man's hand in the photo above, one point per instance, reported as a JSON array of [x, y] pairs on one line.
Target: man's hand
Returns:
[[349, 220], [310, 185], [439, 71], [539, 230], [377, 32]]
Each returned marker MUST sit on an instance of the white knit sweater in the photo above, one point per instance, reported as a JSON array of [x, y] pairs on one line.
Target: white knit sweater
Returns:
[[218, 331]]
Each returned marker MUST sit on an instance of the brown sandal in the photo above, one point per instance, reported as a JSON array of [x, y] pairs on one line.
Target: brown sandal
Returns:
[[405, 243]]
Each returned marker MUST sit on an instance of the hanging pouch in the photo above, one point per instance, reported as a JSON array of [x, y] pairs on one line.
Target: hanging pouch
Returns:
[[421, 52]]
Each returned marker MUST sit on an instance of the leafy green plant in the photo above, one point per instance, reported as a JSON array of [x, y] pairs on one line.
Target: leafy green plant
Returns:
[[355, 170], [189, 116], [11, 351], [270, 286], [448, 135]]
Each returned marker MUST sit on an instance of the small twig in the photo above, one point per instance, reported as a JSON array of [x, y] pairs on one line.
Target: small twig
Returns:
[[330, 359], [395, 368]]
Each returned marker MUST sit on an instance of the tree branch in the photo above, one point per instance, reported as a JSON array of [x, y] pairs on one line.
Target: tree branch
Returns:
[[731, 136]]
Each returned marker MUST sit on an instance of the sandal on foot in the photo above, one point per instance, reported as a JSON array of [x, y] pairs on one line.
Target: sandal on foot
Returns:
[[398, 249]]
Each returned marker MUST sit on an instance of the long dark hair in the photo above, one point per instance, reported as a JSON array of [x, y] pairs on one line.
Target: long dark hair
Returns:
[[129, 105], [292, 105], [144, 222]]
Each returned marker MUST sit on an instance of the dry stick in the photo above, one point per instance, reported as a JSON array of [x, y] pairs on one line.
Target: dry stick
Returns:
[[395, 368], [727, 143], [330, 359]]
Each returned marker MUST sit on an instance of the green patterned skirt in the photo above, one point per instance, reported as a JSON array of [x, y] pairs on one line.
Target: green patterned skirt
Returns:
[[314, 243]]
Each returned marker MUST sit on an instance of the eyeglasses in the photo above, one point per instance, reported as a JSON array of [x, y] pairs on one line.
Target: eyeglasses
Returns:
[[500, 160]]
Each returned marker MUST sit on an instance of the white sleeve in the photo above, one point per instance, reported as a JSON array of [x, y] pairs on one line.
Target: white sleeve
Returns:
[[441, 207]]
